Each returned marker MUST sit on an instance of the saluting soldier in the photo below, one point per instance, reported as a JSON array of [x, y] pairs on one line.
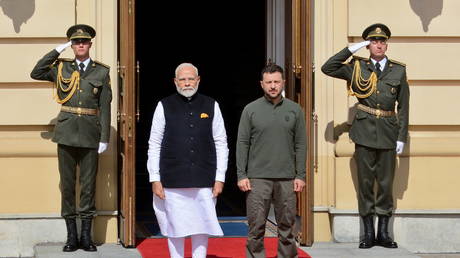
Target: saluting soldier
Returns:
[[82, 131], [379, 133]]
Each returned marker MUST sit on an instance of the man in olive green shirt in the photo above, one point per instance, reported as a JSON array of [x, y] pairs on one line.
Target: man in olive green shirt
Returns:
[[82, 130], [378, 131], [270, 153]]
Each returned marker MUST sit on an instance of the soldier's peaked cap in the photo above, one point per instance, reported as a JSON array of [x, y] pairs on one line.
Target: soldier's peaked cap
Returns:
[[377, 31], [81, 31]]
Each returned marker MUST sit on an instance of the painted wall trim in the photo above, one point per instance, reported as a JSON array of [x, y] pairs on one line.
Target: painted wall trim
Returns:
[[47, 215], [401, 212]]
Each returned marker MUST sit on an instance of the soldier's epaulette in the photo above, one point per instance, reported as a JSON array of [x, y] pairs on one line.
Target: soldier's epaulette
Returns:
[[66, 59], [397, 62], [361, 58], [61, 60], [99, 63]]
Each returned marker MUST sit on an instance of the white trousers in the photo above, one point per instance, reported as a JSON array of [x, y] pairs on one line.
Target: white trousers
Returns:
[[199, 246], [186, 212]]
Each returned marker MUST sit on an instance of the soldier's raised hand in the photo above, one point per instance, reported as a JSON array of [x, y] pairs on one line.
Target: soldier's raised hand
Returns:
[[62, 47], [355, 47]]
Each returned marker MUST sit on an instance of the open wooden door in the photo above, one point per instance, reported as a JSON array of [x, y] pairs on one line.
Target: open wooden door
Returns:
[[299, 87], [126, 122]]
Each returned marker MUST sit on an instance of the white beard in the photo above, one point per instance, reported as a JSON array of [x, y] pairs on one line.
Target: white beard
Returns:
[[187, 91]]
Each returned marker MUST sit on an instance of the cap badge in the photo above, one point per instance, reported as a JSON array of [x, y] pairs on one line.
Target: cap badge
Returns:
[[204, 115], [378, 30]]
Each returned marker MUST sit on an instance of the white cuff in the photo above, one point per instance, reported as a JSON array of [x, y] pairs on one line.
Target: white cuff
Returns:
[[154, 177]]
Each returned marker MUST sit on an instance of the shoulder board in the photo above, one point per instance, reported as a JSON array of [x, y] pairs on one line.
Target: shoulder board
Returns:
[[59, 60], [99, 63], [65, 59], [361, 58], [396, 62]]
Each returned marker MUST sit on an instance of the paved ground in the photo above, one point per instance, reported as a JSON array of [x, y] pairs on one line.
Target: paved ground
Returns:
[[103, 251], [343, 250], [320, 250]]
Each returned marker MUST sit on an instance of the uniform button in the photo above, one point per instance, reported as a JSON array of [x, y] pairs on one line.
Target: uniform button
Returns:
[[378, 105], [191, 138], [81, 90], [79, 102], [191, 113], [378, 92], [193, 163], [191, 125], [192, 151]]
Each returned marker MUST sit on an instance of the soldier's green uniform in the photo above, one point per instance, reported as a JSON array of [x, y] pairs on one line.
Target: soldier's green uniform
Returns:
[[84, 122], [376, 127]]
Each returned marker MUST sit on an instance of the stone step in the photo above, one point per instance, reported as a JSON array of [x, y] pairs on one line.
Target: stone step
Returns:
[[54, 250]]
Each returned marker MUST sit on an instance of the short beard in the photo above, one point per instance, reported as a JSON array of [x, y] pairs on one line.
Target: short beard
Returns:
[[187, 91]]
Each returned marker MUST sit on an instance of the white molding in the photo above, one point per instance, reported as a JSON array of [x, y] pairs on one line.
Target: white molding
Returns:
[[339, 212], [17, 216]]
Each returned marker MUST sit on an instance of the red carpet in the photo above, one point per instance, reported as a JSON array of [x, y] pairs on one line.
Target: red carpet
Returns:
[[217, 248]]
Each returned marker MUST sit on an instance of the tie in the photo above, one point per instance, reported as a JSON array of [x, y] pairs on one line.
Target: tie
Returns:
[[82, 68], [377, 68]]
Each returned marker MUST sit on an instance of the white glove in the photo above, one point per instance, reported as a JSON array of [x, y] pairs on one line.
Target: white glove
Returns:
[[355, 47], [102, 147], [62, 47], [399, 147]]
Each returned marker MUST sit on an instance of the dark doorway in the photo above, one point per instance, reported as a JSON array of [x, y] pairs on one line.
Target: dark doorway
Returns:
[[226, 41]]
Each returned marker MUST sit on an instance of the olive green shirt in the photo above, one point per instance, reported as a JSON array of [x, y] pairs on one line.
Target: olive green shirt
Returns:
[[94, 93], [392, 91], [271, 141]]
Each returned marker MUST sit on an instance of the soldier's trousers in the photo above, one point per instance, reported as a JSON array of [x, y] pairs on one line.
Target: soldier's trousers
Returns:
[[375, 165], [258, 202], [87, 159]]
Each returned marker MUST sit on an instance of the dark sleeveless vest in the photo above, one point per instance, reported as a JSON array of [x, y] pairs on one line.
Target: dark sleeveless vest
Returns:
[[188, 152]]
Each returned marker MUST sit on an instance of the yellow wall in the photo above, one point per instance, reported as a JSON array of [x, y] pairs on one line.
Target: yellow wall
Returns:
[[426, 172], [29, 176], [422, 37]]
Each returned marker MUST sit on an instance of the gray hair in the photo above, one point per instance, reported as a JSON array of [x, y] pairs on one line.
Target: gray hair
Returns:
[[186, 65]]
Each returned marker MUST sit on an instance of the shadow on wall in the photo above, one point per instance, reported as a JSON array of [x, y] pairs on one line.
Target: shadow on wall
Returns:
[[427, 10], [19, 11]]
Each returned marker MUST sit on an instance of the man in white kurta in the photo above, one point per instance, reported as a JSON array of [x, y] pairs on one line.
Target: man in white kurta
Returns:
[[184, 199]]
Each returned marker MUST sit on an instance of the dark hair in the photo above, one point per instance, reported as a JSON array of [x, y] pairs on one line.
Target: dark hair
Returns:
[[272, 68]]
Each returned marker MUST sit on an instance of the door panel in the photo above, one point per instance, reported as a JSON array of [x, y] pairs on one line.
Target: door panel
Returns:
[[126, 123], [299, 88]]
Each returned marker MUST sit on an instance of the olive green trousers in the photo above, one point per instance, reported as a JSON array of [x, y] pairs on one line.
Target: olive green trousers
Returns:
[[375, 165], [87, 160], [258, 201]]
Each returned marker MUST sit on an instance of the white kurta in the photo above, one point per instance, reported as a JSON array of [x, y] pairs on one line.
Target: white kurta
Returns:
[[186, 211]]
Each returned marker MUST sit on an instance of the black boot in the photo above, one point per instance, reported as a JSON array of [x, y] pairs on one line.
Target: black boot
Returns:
[[369, 232], [383, 239], [85, 239], [72, 239]]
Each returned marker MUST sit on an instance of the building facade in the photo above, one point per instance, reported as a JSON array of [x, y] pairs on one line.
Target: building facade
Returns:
[[424, 36], [30, 192], [427, 214]]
